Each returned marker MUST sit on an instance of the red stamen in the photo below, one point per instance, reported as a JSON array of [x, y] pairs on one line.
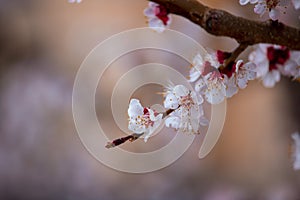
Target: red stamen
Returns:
[[229, 70], [162, 14], [277, 56], [146, 111], [222, 56]]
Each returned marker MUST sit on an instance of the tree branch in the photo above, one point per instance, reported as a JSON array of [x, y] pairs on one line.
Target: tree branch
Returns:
[[244, 31]]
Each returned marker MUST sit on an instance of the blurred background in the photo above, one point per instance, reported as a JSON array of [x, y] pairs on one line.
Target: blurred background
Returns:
[[42, 44]]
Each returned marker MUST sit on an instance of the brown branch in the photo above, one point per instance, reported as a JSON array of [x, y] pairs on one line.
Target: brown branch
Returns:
[[244, 31]]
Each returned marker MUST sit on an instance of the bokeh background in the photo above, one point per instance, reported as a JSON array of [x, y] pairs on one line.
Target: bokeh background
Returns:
[[42, 44]]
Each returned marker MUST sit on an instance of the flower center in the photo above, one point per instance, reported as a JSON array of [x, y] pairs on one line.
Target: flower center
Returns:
[[162, 14], [187, 101], [277, 56], [222, 56], [272, 3], [229, 70], [145, 118]]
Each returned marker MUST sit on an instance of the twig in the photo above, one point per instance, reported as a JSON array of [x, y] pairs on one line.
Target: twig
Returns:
[[235, 54], [122, 140]]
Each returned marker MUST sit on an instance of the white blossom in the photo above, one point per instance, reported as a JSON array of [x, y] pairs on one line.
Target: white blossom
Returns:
[[272, 61], [209, 81], [158, 17], [212, 86], [143, 120], [296, 152], [188, 112], [214, 80]]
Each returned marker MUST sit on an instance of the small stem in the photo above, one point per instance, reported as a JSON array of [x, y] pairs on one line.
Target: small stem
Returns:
[[122, 140], [131, 137], [168, 112], [235, 54]]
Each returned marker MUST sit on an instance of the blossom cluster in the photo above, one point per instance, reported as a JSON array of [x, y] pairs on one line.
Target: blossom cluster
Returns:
[[274, 7], [184, 113], [215, 81]]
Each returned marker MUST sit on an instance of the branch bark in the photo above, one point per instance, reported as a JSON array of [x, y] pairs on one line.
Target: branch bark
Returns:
[[244, 31]]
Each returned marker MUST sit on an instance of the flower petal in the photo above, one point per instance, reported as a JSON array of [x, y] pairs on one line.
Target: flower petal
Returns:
[[231, 87], [135, 108], [198, 62], [271, 78], [274, 14], [194, 74], [244, 2], [290, 68], [149, 12], [180, 91], [262, 68], [259, 9], [173, 122], [157, 25], [195, 119], [249, 66], [171, 101], [296, 4], [215, 92], [200, 85], [136, 128]]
